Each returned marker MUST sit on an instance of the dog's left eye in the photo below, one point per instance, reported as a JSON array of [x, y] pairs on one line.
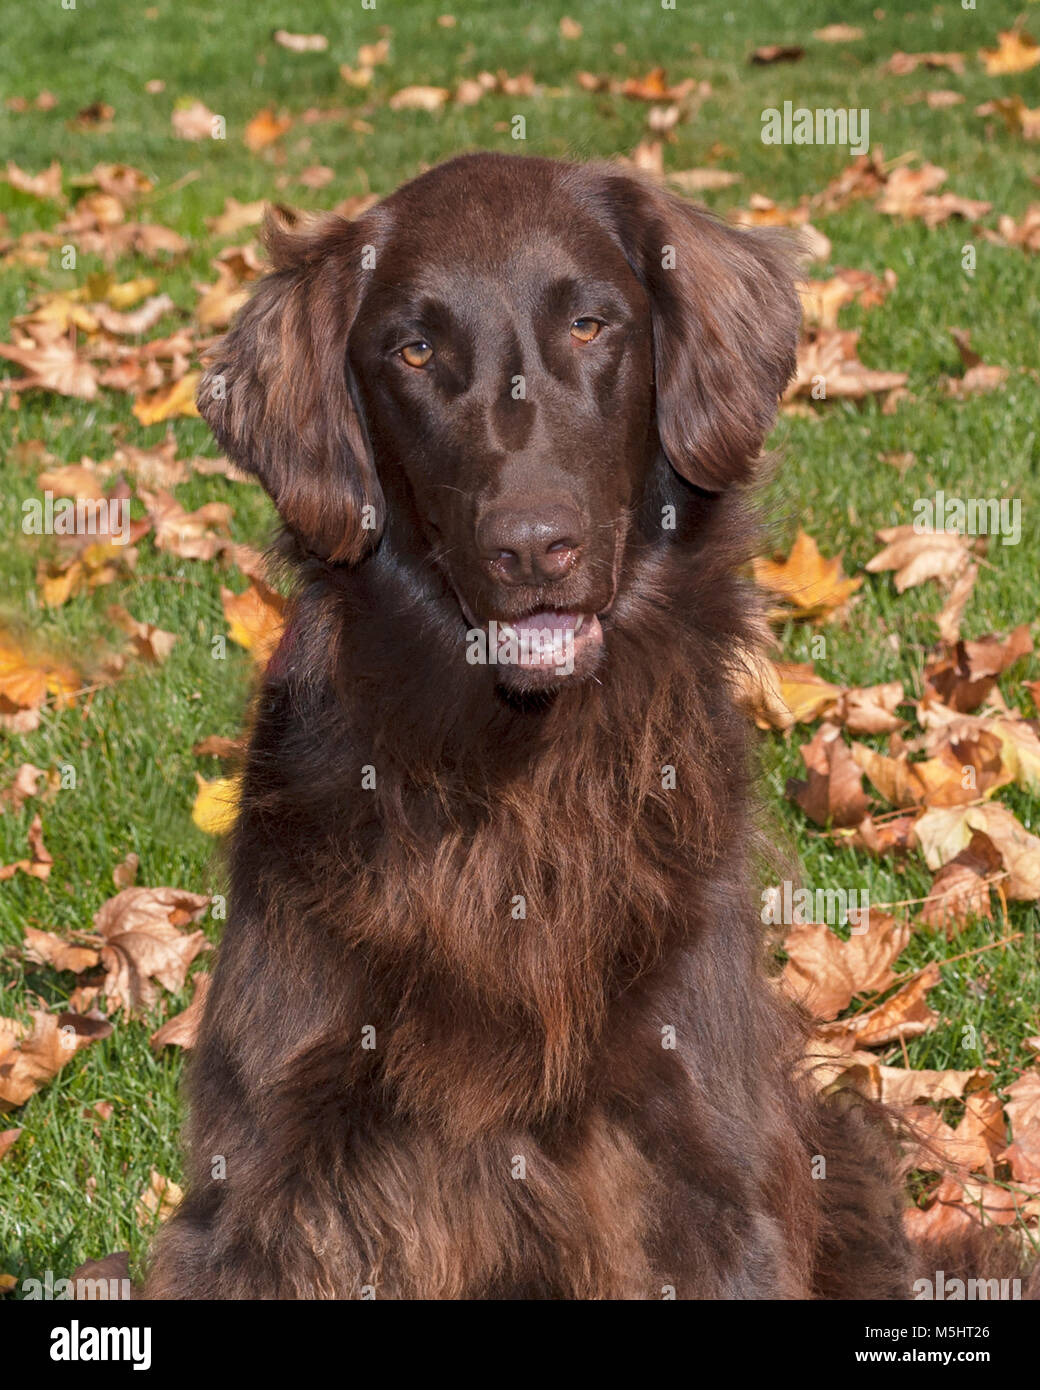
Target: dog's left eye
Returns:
[[585, 329], [417, 354]]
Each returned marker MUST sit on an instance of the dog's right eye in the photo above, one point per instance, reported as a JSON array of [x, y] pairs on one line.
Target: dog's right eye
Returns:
[[416, 354]]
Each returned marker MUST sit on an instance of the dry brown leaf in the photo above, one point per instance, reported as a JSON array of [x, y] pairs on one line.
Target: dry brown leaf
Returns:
[[703, 180], [824, 973], [28, 675], [815, 587], [838, 33], [45, 185], [918, 555], [960, 890], [144, 943], [300, 43], [158, 1201], [963, 676], [828, 368], [902, 64], [822, 299], [264, 129], [182, 1029], [41, 861], [803, 693], [904, 1014], [419, 99], [169, 402], [870, 709], [24, 784], [1016, 51], [45, 948], [256, 618], [944, 832], [833, 793], [48, 355], [188, 534], [7, 1138], [952, 612], [31, 1062], [124, 875], [777, 53], [236, 217], [902, 1086], [147, 641], [194, 122], [1016, 115]]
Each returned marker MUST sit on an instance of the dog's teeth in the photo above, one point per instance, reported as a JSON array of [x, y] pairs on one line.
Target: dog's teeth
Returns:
[[578, 624]]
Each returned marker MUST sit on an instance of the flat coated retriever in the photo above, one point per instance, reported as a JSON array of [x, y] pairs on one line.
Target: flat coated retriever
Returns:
[[492, 1017]]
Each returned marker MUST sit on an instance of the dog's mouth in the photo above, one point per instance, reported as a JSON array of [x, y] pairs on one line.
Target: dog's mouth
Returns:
[[546, 639], [537, 650]]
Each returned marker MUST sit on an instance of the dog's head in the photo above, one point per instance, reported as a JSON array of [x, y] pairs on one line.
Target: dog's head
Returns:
[[492, 367]]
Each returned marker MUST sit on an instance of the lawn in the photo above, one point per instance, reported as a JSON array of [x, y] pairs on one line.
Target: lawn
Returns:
[[70, 1183]]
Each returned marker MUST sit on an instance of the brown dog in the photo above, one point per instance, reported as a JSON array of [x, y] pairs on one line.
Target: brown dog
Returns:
[[491, 1017]]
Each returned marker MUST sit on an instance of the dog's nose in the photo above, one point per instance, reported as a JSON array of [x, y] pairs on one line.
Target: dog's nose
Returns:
[[530, 546]]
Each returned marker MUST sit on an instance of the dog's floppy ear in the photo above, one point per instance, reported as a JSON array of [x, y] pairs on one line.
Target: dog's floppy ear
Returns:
[[725, 326], [277, 396]]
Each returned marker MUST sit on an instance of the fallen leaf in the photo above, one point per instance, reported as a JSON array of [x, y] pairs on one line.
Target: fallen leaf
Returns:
[[804, 694], [45, 948], [264, 129], [902, 1086], [902, 64], [777, 53], [50, 358], [870, 709], [182, 1029], [34, 1060], [960, 891], [236, 217], [216, 804], [703, 180], [192, 535], [256, 618], [41, 861], [828, 368], [569, 28], [24, 784], [838, 33], [904, 1014], [1016, 51], [419, 99], [1016, 115], [124, 875], [194, 122], [833, 793], [144, 943], [148, 641], [300, 43], [944, 832], [158, 1201], [822, 299], [952, 611], [814, 586], [171, 401], [45, 185], [28, 675], [964, 675], [918, 555], [824, 973], [7, 1138]]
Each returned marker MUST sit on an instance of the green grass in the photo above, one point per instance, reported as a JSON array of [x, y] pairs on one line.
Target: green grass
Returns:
[[69, 1186]]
